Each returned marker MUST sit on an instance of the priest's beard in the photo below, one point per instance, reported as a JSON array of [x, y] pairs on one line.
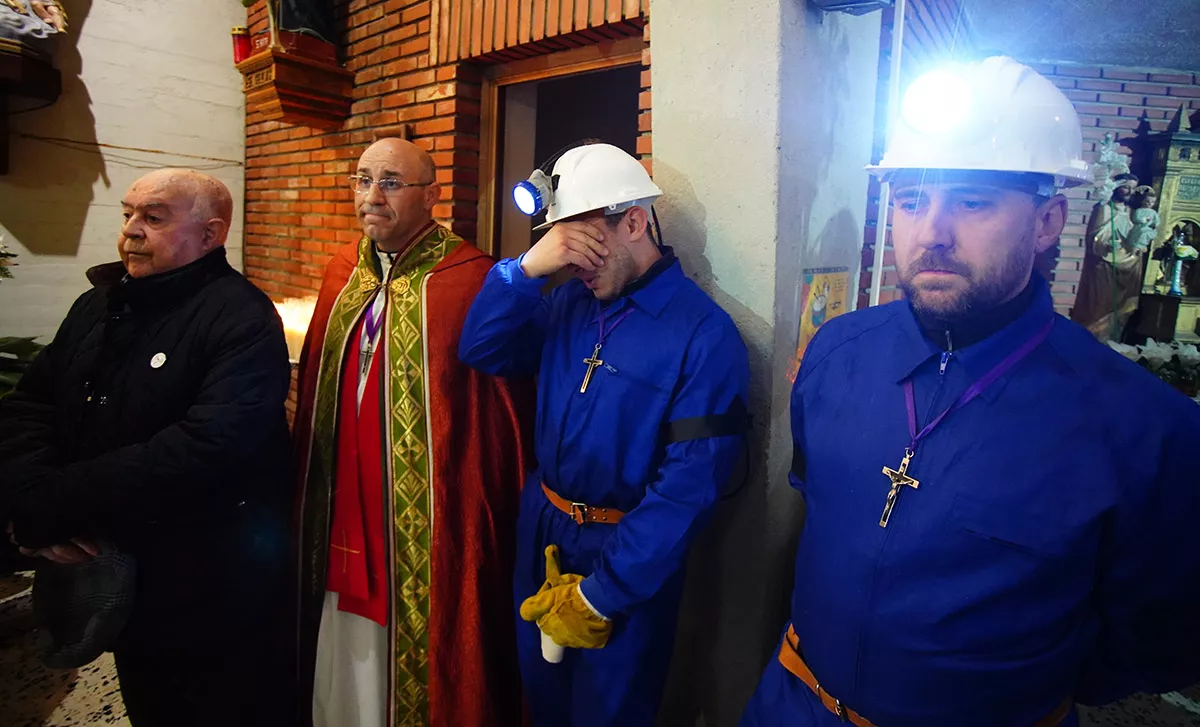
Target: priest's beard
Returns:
[[985, 289]]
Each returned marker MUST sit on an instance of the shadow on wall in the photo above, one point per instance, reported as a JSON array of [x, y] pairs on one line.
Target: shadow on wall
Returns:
[[724, 632], [740, 572], [815, 186], [54, 178]]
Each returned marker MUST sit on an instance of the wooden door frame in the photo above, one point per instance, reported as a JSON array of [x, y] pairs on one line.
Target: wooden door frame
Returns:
[[586, 59]]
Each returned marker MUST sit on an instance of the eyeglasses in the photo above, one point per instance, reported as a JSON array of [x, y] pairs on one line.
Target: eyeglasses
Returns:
[[361, 184]]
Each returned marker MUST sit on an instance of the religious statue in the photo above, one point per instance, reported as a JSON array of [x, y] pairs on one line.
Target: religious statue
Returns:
[[1112, 266], [307, 17], [33, 23], [1175, 251], [1145, 218]]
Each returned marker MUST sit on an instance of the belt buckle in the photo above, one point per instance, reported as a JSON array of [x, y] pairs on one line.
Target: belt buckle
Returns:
[[840, 711], [838, 708], [579, 513]]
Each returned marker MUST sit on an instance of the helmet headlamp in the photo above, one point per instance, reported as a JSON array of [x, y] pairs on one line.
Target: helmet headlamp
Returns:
[[534, 194]]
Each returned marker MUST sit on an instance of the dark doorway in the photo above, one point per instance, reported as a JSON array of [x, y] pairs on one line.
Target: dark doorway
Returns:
[[601, 105], [537, 119]]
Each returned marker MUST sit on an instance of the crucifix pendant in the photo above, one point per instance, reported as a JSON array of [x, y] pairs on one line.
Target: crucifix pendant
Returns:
[[366, 355], [592, 364], [899, 479]]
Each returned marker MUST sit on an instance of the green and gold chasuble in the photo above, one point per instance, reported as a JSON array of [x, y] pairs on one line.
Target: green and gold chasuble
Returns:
[[405, 449]]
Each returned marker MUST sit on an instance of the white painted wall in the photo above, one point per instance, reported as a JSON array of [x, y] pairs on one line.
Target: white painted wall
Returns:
[[762, 125], [150, 74]]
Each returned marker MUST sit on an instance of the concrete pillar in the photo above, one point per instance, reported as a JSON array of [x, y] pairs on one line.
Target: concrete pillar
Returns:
[[763, 121]]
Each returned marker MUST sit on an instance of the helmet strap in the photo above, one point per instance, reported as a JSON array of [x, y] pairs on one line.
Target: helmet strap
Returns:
[[656, 233]]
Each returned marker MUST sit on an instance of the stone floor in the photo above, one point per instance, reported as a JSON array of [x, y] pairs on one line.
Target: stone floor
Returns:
[[34, 696], [1145, 710]]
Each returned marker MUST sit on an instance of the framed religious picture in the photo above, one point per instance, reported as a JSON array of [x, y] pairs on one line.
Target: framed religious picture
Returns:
[[825, 294]]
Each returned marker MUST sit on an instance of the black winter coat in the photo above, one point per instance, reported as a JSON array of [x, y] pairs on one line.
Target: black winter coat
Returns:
[[155, 419]]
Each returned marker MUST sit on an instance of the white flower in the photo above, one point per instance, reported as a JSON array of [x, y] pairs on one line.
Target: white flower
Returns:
[[1186, 252], [1129, 352], [1189, 355], [1157, 353]]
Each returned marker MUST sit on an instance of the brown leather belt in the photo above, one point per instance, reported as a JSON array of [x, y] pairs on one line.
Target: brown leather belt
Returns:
[[789, 657], [583, 514]]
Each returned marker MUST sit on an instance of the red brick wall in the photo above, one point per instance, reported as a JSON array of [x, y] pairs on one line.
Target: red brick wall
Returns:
[[299, 208], [644, 147], [1108, 99]]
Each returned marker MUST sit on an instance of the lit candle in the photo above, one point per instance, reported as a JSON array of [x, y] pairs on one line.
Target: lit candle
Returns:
[[296, 314], [241, 43]]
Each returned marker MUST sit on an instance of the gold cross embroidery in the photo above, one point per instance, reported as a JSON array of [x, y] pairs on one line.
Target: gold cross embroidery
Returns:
[[346, 553]]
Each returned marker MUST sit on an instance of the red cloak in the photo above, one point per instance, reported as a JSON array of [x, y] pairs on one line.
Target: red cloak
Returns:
[[478, 438]]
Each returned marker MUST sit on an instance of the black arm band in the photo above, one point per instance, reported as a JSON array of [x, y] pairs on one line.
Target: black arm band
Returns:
[[733, 423]]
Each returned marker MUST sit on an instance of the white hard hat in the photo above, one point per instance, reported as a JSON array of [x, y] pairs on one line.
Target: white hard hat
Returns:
[[586, 178], [995, 115]]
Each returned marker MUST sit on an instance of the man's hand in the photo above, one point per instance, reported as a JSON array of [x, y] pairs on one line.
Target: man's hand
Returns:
[[562, 613], [73, 553], [79, 550], [567, 243]]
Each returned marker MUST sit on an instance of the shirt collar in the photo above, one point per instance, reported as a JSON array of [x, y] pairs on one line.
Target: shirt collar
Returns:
[[160, 289], [954, 335], [653, 289], [914, 349], [370, 255]]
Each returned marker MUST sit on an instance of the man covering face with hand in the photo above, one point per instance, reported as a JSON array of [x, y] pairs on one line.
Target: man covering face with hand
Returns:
[[642, 380]]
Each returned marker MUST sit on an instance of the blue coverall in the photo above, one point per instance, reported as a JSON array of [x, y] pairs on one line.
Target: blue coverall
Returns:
[[677, 356], [1050, 552]]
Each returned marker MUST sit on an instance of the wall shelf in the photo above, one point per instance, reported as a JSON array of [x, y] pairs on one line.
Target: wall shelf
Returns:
[[28, 77], [296, 87]]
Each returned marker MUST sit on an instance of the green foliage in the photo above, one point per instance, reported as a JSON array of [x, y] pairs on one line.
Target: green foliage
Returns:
[[5, 260]]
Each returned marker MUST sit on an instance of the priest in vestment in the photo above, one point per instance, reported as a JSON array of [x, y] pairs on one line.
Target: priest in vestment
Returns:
[[410, 465]]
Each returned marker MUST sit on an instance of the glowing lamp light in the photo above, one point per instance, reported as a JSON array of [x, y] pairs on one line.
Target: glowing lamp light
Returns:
[[937, 102], [534, 194], [528, 200], [296, 314]]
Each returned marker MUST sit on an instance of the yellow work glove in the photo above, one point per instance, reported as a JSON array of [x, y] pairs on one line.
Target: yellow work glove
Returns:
[[561, 613]]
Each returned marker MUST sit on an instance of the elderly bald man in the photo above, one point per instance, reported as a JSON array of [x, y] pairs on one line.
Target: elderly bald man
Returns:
[[152, 432], [409, 463]]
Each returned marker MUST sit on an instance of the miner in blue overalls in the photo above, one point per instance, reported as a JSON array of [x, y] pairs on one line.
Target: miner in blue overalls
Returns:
[[1002, 512], [642, 383]]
